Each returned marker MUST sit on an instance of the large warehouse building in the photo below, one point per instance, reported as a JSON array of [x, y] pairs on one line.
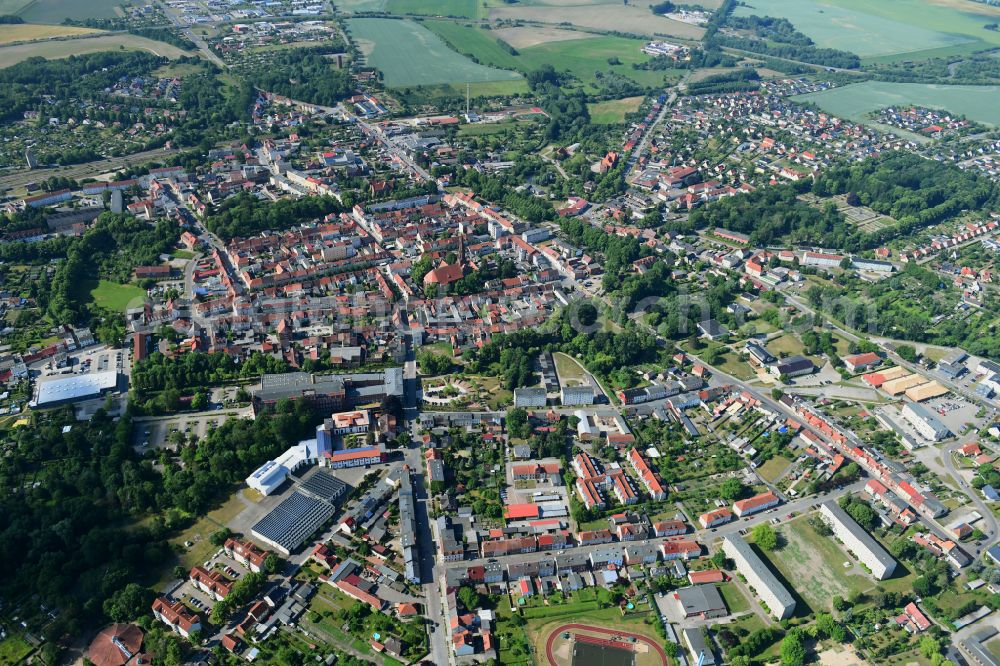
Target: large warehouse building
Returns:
[[858, 541], [769, 589], [64, 389], [328, 393], [298, 516]]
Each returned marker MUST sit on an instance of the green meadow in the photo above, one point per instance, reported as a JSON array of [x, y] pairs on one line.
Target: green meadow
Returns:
[[581, 57], [887, 29], [408, 54], [979, 103]]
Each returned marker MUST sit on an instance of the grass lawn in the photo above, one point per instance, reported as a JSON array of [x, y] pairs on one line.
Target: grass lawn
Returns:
[[202, 529], [735, 600], [732, 365], [613, 111], [326, 603], [773, 468], [750, 622], [570, 372], [994, 648], [485, 129], [14, 649], [114, 296], [788, 344], [813, 564], [428, 94], [182, 254], [177, 69]]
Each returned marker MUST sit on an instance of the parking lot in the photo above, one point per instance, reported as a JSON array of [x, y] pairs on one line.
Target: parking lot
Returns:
[[158, 433], [954, 412], [200, 601]]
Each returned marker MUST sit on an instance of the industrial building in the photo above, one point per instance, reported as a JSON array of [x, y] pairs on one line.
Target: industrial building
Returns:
[[329, 393], [769, 589], [924, 421], [289, 524], [855, 539]]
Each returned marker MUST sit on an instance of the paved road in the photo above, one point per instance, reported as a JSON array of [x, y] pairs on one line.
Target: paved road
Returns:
[[667, 104], [188, 32], [989, 519]]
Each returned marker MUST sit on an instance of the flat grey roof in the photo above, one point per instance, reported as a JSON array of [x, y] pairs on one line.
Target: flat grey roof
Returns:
[[74, 387], [867, 540], [767, 578]]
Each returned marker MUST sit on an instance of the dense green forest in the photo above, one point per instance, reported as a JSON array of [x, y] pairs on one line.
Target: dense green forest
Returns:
[[158, 372], [69, 525]]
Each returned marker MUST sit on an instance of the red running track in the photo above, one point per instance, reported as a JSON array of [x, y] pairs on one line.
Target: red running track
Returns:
[[586, 627]]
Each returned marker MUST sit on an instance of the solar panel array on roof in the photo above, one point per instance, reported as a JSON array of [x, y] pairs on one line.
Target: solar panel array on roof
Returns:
[[292, 521], [324, 485]]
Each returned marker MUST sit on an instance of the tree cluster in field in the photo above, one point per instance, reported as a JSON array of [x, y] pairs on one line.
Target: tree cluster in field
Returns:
[[111, 248], [914, 191], [302, 74], [740, 80], [698, 59], [24, 84], [770, 36]]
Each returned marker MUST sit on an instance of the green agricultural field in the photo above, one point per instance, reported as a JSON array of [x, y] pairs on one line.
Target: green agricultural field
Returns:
[[607, 16], [12, 6], [56, 11], [581, 57], [461, 8], [840, 25], [410, 55], [613, 111], [979, 103], [888, 28], [114, 296]]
